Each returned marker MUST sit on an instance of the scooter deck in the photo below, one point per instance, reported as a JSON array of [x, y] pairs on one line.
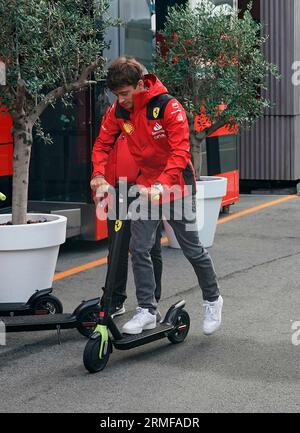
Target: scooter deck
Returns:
[[130, 341], [39, 322]]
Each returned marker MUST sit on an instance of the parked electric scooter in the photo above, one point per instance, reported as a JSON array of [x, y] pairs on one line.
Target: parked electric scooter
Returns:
[[174, 326], [45, 313]]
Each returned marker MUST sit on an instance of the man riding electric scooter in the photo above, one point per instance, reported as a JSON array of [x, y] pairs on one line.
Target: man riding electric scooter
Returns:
[[121, 165], [157, 131]]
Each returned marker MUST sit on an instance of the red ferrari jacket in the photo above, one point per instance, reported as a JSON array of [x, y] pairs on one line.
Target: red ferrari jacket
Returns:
[[157, 133], [121, 163]]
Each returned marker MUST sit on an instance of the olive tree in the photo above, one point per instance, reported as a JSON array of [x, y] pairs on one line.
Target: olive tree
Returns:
[[213, 63], [50, 48]]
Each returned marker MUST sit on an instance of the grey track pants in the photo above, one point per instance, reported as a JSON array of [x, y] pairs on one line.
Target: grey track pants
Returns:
[[143, 238]]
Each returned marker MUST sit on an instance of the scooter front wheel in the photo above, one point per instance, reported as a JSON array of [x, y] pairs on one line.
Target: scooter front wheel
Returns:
[[91, 356], [182, 327]]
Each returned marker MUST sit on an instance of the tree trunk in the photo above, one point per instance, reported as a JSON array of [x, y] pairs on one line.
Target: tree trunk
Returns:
[[196, 140], [22, 133]]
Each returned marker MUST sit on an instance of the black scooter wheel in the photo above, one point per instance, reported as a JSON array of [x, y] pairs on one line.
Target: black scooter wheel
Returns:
[[91, 359], [87, 321], [182, 328], [48, 304]]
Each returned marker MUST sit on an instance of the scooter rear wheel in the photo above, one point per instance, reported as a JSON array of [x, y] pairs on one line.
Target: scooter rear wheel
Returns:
[[48, 304], [182, 328], [87, 321], [91, 359]]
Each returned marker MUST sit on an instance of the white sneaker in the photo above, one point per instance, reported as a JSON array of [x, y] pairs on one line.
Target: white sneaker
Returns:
[[142, 320], [212, 315]]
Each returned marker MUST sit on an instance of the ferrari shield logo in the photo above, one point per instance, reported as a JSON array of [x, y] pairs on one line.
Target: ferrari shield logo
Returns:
[[156, 112], [118, 225]]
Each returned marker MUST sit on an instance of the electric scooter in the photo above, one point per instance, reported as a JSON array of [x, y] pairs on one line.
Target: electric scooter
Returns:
[[45, 312], [175, 325]]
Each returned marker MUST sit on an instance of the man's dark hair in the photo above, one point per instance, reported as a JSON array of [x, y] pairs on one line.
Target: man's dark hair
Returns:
[[124, 71]]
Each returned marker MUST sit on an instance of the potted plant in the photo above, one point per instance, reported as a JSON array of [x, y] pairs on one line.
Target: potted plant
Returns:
[[50, 50], [212, 62]]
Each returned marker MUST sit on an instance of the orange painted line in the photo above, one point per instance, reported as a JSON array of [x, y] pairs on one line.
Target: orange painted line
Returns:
[[81, 268], [256, 208], [164, 240]]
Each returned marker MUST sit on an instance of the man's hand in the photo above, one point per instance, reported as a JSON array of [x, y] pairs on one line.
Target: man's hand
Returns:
[[99, 182]]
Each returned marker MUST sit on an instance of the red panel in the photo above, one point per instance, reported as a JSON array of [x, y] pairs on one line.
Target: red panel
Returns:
[[5, 127], [101, 229], [6, 159], [232, 194]]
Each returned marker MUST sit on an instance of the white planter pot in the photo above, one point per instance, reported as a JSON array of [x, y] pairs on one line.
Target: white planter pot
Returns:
[[28, 255], [210, 191]]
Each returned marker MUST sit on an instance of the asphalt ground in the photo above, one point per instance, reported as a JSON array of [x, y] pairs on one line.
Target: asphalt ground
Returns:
[[250, 365]]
